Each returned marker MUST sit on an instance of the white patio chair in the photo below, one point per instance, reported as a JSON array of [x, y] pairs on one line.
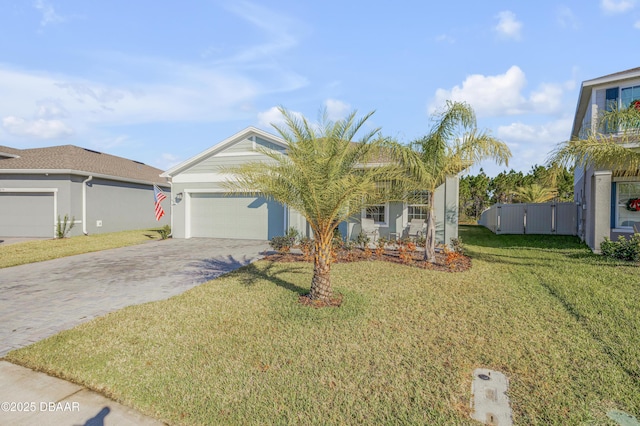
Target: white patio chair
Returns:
[[369, 229], [416, 228]]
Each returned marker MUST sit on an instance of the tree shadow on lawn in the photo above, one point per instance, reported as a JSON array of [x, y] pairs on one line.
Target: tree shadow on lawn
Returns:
[[248, 272]]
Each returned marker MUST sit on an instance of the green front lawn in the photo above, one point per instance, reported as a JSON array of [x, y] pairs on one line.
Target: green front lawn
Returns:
[[37, 251], [561, 323]]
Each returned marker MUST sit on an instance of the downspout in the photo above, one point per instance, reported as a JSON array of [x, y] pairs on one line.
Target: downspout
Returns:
[[84, 204], [172, 203]]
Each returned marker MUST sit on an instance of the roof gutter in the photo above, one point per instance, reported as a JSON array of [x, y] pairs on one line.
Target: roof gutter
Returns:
[[81, 173], [84, 204]]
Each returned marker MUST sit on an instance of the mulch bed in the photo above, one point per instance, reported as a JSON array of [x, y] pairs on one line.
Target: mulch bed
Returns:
[[451, 263]]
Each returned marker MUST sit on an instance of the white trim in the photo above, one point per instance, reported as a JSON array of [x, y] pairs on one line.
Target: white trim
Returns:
[[241, 135], [28, 189], [625, 230], [239, 154], [202, 177], [385, 224], [80, 173], [36, 190]]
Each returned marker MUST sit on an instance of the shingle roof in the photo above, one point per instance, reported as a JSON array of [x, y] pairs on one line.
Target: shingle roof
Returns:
[[71, 157]]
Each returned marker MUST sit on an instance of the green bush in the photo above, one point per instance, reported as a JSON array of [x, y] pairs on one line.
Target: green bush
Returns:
[[624, 249], [283, 243], [164, 232], [362, 240], [64, 226]]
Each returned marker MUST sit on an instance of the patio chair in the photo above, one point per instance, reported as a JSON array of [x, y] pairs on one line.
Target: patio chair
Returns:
[[369, 229], [416, 228]]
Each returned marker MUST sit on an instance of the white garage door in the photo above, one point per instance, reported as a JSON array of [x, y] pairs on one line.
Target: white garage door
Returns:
[[249, 218], [26, 214]]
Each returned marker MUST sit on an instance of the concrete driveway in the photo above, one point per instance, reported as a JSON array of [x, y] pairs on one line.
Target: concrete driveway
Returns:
[[41, 299]]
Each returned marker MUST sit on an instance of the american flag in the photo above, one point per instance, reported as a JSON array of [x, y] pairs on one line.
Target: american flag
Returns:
[[158, 196]]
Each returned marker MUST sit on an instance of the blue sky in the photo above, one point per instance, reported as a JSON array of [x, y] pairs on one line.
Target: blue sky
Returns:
[[159, 82]]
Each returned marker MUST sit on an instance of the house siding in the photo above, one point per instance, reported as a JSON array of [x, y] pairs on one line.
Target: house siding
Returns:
[[121, 206], [594, 189], [203, 174]]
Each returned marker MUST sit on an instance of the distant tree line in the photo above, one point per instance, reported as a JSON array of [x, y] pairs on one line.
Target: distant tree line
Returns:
[[541, 184]]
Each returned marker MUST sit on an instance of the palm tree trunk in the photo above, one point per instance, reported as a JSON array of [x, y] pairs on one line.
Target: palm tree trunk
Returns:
[[321, 281], [430, 243]]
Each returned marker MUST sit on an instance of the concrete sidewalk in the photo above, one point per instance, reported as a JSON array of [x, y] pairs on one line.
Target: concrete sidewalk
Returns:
[[28, 397]]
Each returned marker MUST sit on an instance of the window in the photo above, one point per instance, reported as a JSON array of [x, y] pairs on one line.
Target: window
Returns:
[[628, 95], [419, 205], [611, 99], [377, 212], [626, 191]]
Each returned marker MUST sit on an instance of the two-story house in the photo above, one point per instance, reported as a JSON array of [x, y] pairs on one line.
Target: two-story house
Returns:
[[604, 195]]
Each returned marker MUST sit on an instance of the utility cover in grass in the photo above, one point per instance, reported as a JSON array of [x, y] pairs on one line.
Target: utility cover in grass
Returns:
[[489, 400], [622, 418]]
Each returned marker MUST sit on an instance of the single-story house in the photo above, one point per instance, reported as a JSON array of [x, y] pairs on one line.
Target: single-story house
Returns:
[[102, 192], [604, 195], [202, 208]]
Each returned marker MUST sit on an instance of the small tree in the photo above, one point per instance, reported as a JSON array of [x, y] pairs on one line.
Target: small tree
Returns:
[[324, 176], [535, 193], [453, 145]]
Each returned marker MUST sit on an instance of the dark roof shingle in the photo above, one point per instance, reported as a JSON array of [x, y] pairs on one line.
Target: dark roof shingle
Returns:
[[71, 157]]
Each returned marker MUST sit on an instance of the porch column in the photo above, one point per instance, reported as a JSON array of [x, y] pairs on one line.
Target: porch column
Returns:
[[600, 207]]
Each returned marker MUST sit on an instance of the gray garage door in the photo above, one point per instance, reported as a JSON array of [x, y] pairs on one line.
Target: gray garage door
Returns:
[[248, 218], [26, 214]]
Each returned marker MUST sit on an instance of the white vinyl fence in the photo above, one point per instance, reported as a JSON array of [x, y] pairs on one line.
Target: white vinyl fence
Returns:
[[543, 218]]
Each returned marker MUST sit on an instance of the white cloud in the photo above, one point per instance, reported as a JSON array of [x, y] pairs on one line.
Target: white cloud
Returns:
[[167, 161], [617, 6], [336, 109], [270, 116], [549, 133], [531, 144], [488, 95], [277, 27], [39, 128], [49, 15], [508, 26], [50, 108], [445, 38], [502, 94], [566, 18]]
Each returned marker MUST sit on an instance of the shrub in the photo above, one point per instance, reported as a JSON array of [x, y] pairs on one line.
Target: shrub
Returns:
[[283, 243], [380, 245], [293, 233], [623, 249], [457, 245], [164, 232], [64, 226], [362, 240], [306, 245]]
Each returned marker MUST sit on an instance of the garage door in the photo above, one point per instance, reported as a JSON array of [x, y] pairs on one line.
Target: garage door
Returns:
[[249, 218], [27, 214]]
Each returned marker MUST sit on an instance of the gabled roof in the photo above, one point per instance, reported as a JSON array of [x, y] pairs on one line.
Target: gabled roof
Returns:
[[76, 160], [587, 87], [241, 135]]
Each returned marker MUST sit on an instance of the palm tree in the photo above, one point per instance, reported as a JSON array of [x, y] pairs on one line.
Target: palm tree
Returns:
[[453, 145], [603, 149], [535, 193], [324, 176]]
